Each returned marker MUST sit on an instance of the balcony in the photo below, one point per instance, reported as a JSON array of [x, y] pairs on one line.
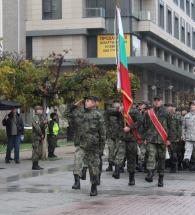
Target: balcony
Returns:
[[145, 15], [93, 12]]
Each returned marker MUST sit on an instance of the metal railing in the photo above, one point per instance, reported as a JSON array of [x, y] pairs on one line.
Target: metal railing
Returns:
[[93, 12]]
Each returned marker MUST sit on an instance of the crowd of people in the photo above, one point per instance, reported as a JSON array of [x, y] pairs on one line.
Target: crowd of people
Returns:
[[41, 126], [153, 137], [159, 136]]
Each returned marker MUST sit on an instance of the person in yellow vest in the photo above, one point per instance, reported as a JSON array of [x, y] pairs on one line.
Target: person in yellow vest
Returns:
[[52, 135]]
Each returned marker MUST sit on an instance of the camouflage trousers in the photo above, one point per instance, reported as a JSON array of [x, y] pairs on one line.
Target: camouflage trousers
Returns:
[[175, 153], [91, 160], [189, 146], [120, 153], [52, 143], [128, 150], [36, 150], [156, 157], [112, 143], [142, 155]]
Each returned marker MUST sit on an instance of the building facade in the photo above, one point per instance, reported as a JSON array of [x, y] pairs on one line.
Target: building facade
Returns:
[[160, 38], [13, 25]]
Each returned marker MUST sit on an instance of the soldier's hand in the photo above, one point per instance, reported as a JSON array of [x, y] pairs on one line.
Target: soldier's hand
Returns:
[[121, 109], [145, 142], [42, 137], [126, 129], [168, 143]]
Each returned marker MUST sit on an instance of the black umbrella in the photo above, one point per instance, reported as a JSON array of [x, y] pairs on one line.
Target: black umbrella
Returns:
[[8, 105]]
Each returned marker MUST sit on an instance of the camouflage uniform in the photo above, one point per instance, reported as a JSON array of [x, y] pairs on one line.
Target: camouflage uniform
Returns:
[[176, 134], [156, 148], [75, 115], [37, 134], [92, 141], [113, 118], [130, 141]]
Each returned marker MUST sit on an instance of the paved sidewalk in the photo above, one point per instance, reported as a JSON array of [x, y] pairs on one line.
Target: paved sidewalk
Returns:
[[27, 192]]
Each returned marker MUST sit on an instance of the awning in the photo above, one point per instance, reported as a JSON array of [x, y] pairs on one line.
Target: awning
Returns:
[[8, 105]]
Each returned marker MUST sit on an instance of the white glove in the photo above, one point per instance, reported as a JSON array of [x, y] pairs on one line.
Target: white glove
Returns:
[[22, 138]]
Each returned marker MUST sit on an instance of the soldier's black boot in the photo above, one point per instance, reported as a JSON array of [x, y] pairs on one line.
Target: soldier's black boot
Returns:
[[140, 167], [93, 190], [186, 164], [39, 166], [116, 173], [149, 177], [76, 185], [173, 168], [99, 179], [84, 173], [109, 168], [160, 181], [122, 170], [35, 166], [131, 179]]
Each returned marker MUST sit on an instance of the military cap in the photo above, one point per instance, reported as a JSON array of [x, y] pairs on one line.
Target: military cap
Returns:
[[157, 97], [94, 98], [192, 102], [38, 108], [169, 105]]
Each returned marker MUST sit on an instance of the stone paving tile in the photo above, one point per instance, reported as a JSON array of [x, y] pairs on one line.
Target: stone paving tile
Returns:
[[24, 192]]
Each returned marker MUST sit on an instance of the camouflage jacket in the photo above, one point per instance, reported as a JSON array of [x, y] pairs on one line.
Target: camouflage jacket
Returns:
[[150, 132], [93, 133], [137, 119], [37, 127], [112, 121], [74, 116], [176, 128]]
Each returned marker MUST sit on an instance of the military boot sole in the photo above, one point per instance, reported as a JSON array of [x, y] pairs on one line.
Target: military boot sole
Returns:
[[149, 179], [75, 187], [93, 193], [160, 185], [131, 183], [116, 176]]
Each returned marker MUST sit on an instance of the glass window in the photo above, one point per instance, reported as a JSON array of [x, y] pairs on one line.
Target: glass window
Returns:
[[176, 27], [188, 7], [136, 46], [176, 2], [182, 4], [188, 35], [51, 9], [193, 39], [193, 11], [183, 30], [169, 21], [161, 15]]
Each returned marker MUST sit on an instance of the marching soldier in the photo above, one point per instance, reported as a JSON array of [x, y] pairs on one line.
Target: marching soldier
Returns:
[[175, 137], [38, 135], [92, 142], [157, 125]]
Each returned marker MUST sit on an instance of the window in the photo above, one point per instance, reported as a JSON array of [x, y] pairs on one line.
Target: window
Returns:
[[51, 9], [193, 39], [150, 50], [161, 15], [193, 11], [136, 46], [182, 4], [188, 35], [169, 21], [176, 2], [176, 27], [183, 30], [188, 7]]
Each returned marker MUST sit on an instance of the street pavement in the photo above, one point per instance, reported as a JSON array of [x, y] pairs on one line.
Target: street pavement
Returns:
[[27, 192]]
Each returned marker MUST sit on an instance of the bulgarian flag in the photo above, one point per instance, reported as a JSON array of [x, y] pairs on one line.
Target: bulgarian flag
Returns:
[[123, 80]]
